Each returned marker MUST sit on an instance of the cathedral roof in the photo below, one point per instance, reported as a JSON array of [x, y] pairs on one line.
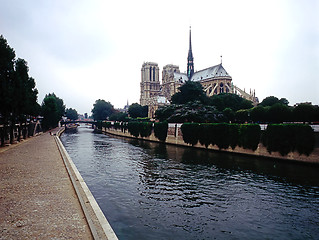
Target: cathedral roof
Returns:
[[214, 71], [181, 77], [211, 72]]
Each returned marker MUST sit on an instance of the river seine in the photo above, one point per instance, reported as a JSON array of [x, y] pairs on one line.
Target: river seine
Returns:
[[155, 191]]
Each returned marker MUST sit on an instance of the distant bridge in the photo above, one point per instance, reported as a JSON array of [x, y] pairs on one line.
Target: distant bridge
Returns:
[[78, 121]]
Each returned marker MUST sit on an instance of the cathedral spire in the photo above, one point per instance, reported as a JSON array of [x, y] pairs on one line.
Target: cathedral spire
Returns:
[[190, 59]]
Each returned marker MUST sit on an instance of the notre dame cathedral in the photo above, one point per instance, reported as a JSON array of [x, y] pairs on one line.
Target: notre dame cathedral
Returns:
[[215, 80]]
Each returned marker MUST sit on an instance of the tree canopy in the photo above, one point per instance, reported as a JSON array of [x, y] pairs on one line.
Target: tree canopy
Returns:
[[118, 116], [189, 92], [71, 114], [18, 95], [53, 109], [305, 113], [189, 112], [271, 100], [7, 60], [135, 110], [229, 100], [102, 110]]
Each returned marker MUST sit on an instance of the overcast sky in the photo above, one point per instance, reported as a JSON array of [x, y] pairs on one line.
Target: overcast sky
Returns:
[[84, 50]]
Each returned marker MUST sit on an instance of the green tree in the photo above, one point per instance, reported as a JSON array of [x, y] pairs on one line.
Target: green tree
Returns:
[[102, 110], [259, 114], [271, 100], [279, 113], [49, 112], [229, 114], [189, 112], [52, 109], [7, 56], [24, 95], [25, 91], [119, 116], [136, 110], [189, 92], [71, 114], [305, 113], [18, 95], [284, 101], [164, 112], [229, 100], [242, 115]]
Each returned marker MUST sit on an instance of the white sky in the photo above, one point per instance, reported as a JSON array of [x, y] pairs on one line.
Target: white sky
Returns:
[[85, 50]]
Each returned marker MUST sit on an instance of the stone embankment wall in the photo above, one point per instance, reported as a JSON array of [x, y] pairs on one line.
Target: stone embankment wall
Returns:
[[174, 136], [99, 225]]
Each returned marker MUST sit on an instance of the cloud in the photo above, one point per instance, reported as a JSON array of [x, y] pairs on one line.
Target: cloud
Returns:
[[95, 49]]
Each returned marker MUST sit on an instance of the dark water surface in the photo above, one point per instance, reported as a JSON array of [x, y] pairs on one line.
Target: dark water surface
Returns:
[[155, 191]]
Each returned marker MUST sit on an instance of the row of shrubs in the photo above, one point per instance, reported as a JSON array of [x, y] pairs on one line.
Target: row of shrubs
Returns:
[[142, 129], [223, 135], [285, 138], [282, 138]]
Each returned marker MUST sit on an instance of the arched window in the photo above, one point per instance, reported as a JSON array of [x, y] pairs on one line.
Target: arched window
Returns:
[[221, 88], [154, 74]]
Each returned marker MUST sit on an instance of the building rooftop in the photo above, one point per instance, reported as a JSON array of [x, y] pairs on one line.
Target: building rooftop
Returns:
[[181, 77], [214, 71]]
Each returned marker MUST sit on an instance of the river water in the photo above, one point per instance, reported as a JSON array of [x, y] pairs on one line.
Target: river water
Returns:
[[155, 191]]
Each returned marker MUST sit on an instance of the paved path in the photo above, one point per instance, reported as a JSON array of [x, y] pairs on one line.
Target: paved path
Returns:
[[37, 199]]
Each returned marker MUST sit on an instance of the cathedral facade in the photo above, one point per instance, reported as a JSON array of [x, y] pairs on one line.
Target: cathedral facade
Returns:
[[215, 80]]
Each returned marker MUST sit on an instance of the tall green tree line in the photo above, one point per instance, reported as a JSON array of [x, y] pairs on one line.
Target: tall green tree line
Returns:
[[18, 94]]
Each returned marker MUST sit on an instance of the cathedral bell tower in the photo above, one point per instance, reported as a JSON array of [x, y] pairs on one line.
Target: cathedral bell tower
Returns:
[[150, 84], [190, 59]]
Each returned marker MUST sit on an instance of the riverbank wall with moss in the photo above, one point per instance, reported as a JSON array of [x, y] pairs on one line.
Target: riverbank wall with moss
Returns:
[[175, 137]]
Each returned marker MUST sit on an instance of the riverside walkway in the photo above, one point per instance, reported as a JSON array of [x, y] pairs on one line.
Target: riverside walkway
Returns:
[[37, 198]]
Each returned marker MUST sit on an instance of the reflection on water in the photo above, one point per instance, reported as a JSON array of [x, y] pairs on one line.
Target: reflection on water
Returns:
[[156, 191]]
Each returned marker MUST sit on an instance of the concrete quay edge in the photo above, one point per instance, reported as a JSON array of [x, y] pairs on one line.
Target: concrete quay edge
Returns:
[[98, 224]]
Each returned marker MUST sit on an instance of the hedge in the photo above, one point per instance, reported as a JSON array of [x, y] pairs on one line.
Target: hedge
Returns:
[[160, 130], [234, 135], [143, 129], [117, 125], [190, 133], [204, 138], [106, 124], [222, 134], [123, 126], [133, 128], [249, 136], [285, 138]]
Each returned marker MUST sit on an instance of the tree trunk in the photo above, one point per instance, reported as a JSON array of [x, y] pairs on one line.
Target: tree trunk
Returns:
[[25, 129], [11, 133], [2, 136], [19, 133]]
